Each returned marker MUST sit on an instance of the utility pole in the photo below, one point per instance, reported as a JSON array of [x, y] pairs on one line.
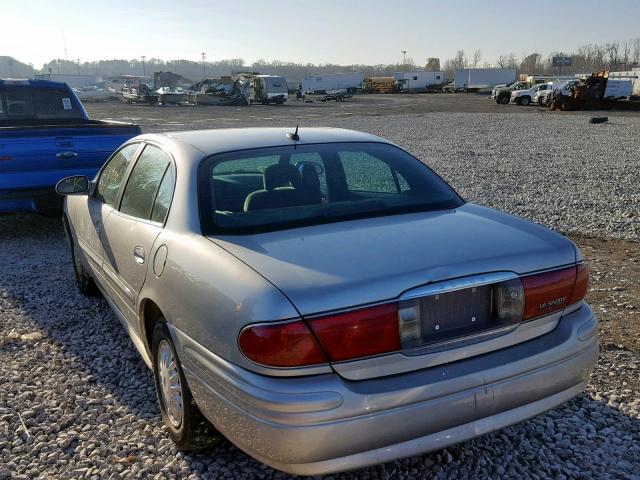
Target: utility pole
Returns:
[[11, 66], [78, 66], [404, 56], [204, 67], [144, 67]]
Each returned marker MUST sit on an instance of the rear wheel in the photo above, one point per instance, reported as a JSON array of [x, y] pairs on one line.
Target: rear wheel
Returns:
[[186, 425], [525, 101]]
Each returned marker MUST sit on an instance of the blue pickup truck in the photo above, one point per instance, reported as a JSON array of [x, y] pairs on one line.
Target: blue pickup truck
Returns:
[[46, 135]]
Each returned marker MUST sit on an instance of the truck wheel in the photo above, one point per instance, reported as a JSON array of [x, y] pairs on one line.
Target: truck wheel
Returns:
[[185, 423], [503, 99], [525, 101]]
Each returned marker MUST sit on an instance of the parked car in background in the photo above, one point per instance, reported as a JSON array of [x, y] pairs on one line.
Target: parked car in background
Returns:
[[562, 88], [323, 298], [45, 135], [525, 97], [502, 95], [538, 96]]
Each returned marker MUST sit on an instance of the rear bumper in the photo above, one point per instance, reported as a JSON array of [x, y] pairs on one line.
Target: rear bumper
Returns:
[[322, 424]]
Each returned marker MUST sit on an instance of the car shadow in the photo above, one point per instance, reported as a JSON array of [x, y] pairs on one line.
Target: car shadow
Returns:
[[574, 440]]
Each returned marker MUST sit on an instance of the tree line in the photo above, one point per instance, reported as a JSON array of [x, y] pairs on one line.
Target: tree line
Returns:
[[588, 58]]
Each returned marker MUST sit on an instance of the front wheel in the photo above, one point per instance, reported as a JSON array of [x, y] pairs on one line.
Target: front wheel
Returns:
[[503, 99], [85, 283], [525, 101], [186, 425]]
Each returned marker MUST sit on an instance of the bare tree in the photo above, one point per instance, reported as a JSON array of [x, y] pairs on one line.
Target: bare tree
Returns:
[[476, 58], [626, 51], [502, 61], [460, 61], [612, 50], [636, 52]]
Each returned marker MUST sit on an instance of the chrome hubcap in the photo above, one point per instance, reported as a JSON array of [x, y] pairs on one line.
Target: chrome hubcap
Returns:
[[170, 386]]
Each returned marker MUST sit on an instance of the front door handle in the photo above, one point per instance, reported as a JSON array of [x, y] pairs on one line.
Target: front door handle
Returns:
[[66, 155], [138, 254]]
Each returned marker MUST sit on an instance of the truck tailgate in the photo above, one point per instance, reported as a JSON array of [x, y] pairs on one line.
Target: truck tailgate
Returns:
[[39, 157]]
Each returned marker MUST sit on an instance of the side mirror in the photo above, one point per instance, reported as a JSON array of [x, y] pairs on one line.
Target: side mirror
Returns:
[[75, 185]]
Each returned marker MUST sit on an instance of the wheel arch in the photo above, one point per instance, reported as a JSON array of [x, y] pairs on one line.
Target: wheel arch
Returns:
[[150, 314]]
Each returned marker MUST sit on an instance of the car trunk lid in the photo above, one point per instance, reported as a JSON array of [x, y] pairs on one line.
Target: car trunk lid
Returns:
[[344, 265]]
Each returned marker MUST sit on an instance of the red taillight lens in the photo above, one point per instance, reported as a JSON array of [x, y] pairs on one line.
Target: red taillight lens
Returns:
[[547, 292], [359, 333], [281, 345], [582, 284]]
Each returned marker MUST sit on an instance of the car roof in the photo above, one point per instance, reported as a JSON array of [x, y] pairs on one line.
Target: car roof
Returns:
[[214, 141]]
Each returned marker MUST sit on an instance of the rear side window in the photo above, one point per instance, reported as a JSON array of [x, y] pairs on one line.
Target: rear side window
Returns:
[[163, 198], [144, 182], [113, 173]]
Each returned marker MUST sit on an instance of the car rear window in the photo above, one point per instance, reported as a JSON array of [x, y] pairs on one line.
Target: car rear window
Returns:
[[26, 102], [286, 187]]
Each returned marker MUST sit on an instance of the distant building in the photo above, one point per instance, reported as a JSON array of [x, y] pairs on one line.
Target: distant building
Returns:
[[74, 81], [116, 82]]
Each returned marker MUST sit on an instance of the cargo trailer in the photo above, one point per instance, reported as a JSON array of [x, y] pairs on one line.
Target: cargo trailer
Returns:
[[321, 83], [417, 82], [482, 80]]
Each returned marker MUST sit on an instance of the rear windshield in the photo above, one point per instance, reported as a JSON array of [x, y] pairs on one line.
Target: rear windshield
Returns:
[[286, 187], [25, 102]]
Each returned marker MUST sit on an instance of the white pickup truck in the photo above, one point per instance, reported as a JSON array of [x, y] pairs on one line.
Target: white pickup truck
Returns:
[[544, 97], [525, 97]]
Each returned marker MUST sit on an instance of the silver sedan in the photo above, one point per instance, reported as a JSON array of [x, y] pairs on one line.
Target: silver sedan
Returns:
[[323, 299]]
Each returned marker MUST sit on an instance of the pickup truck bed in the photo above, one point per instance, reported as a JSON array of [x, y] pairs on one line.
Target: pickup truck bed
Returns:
[[35, 153]]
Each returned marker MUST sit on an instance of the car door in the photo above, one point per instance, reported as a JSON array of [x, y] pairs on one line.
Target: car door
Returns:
[[131, 230], [92, 211]]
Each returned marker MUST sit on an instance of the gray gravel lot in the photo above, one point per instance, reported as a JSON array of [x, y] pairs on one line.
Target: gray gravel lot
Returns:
[[71, 375]]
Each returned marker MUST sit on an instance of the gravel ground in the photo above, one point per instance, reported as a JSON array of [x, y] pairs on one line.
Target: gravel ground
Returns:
[[76, 401], [71, 374]]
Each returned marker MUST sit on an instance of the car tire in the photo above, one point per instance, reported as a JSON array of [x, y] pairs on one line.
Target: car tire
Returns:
[[503, 100], [518, 101], [186, 425], [525, 101], [85, 283]]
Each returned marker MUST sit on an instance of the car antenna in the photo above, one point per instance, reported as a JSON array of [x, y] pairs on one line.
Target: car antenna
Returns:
[[294, 136]]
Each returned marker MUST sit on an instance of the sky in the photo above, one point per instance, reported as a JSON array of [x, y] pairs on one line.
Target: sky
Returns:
[[321, 31]]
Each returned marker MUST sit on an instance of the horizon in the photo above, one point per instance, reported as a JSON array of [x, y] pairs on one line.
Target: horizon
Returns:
[[295, 34]]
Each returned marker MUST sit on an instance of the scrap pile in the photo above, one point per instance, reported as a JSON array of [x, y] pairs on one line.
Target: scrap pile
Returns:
[[222, 91]]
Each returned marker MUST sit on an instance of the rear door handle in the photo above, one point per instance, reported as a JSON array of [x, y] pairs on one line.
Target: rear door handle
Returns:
[[138, 254], [66, 155]]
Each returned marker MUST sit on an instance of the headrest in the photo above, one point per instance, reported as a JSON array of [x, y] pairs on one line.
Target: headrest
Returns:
[[309, 175], [281, 175]]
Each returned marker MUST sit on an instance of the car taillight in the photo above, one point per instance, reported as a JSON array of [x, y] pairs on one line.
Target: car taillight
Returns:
[[582, 284], [549, 292], [288, 344], [359, 333]]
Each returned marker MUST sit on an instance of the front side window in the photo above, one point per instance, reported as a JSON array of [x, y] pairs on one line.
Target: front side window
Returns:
[[113, 173], [144, 182], [285, 187]]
